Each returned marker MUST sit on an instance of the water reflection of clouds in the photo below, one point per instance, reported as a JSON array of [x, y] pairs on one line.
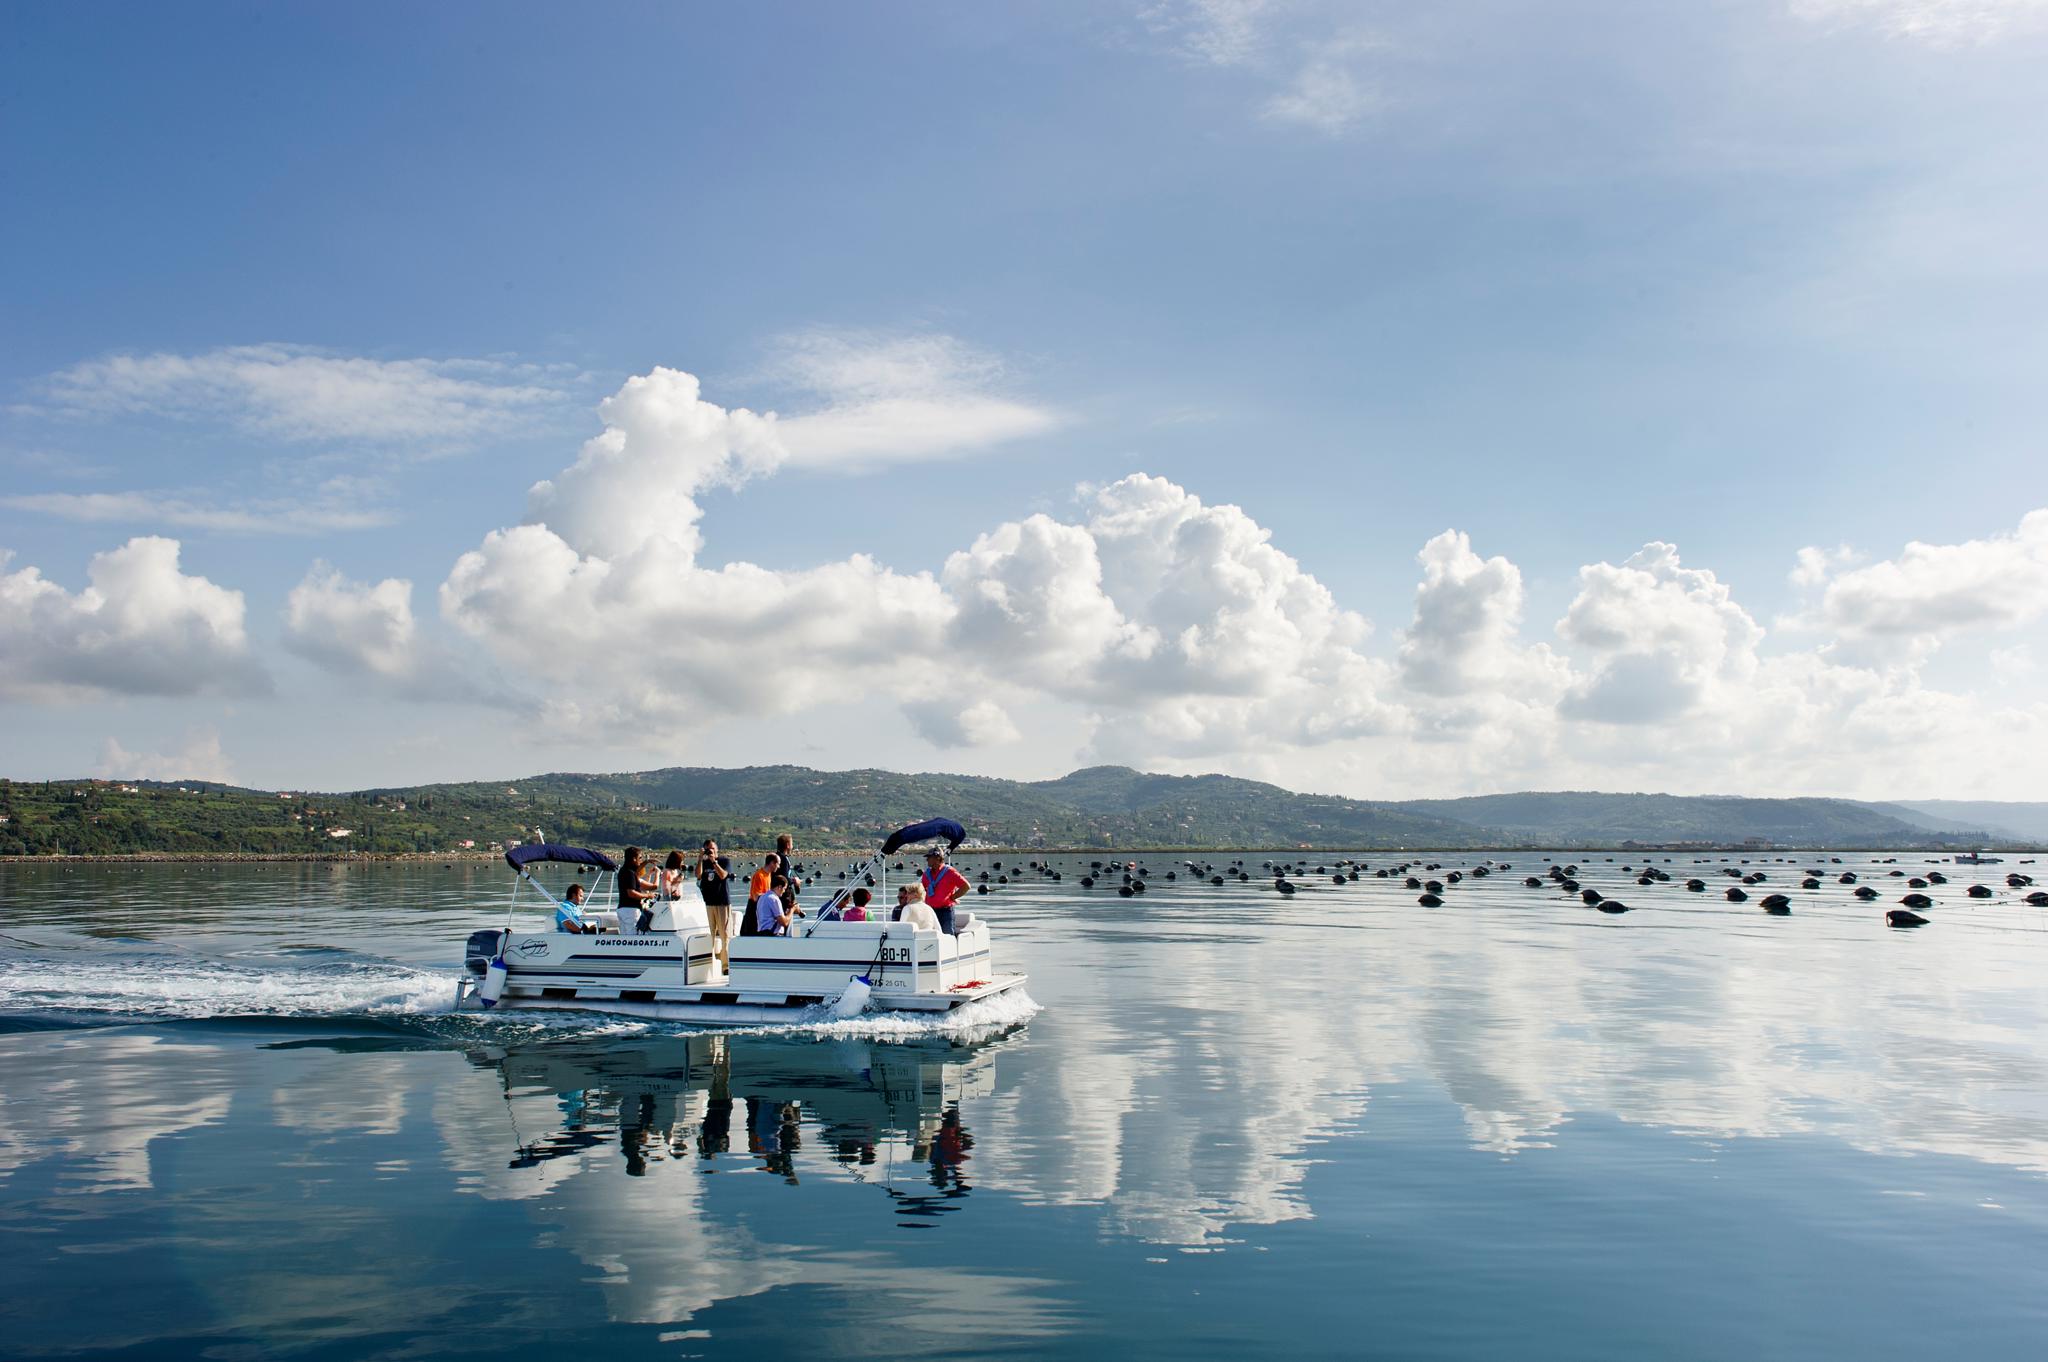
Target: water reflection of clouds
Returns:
[[99, 1101], [1194, 1100]]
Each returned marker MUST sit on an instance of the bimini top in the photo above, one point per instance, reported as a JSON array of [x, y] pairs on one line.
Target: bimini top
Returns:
[[521, 857], [925, 832]]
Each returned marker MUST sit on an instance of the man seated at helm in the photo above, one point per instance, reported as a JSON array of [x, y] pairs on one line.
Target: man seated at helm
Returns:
[[943, 886], [915, 912], [569, 912]]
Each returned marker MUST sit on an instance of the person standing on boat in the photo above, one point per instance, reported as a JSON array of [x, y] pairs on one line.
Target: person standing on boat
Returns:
[[672, 876], [771, 866], [785, 850], [943, 886], [636, 891], [714, 875]]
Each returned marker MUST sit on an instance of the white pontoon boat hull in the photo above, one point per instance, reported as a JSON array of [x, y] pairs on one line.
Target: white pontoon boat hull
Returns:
[[673, 975]]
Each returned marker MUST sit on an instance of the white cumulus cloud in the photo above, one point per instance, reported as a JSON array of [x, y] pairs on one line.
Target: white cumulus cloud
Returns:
[[1663, 636], [142, 627], [199, 757], [1930, 590]]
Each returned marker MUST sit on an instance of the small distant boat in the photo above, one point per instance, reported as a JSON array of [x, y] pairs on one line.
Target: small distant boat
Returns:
[[671, 973], [1979, 858]]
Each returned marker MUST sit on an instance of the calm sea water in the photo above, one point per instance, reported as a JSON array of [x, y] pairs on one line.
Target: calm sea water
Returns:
[[237, 1122]]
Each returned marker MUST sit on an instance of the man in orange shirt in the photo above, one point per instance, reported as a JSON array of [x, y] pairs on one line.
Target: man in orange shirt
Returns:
[[771, 866], [943, 886]]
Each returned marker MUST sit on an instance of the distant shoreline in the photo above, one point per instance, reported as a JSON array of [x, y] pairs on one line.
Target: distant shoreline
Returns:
[[1391, 853]]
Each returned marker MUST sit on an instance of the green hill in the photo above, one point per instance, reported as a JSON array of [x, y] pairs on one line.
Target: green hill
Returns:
[[1098, 807]]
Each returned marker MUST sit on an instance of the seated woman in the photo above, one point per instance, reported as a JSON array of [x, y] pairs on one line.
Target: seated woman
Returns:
[[569, 913], [915, 910], [857, 910]]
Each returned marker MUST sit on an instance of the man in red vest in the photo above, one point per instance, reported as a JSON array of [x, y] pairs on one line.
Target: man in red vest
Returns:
[[943, 886]]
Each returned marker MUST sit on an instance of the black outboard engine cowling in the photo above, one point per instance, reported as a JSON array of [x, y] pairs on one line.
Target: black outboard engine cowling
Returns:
[[482, 949]]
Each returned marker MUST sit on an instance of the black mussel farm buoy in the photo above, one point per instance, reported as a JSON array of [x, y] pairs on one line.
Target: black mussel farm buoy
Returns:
[[1532, 883], [1430, 901], [1917, 901], [981, 889], [1611, 906], [1591, 897], [1777, 903], [1809, 883], [1978, 891], [1435, 886], [1455, 876], [1337, 878], [1865, 892], [1916, 883], [2038, 899], [1736, 894], [1087, 881], [1848, 877], [1897, 874], [1936, 877], [1123, 891], [1569, 885], [1644, 881], [1216, 879], [1899, 917], [1137, 886], [1412, 883]]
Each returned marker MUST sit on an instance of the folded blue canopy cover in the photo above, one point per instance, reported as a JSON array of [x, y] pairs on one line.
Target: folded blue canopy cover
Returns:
[[925, 832], [520, 857]]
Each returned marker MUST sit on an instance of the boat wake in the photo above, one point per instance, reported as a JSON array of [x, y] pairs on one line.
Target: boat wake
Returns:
[[142, 987]]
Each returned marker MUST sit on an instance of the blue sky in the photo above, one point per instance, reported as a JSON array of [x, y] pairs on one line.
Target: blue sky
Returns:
[[319, 294]]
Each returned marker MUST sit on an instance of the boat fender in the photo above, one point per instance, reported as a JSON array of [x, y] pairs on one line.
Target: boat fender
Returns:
[[494, 982], [853, 999]]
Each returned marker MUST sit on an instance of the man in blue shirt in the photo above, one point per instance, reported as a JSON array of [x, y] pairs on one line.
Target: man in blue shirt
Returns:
[[770, 917], [569, 912]]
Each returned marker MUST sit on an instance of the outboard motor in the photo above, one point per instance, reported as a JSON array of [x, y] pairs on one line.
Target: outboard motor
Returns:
[[484, 947], [485, 955]]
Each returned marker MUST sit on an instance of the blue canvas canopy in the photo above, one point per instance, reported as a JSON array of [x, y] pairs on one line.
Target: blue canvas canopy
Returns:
[[521, 857], [925, 832]]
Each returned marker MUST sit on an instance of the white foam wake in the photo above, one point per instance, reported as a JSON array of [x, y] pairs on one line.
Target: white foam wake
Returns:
[[174, 989], [973, 1021]]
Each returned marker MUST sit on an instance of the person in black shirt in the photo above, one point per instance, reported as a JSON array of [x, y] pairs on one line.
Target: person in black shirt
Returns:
[[635, 893], [714, 877]]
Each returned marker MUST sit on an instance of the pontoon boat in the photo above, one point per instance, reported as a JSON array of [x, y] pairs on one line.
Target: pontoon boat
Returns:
[[670, 973]]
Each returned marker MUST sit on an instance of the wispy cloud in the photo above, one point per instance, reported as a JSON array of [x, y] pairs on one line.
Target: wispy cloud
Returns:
[[1215, 32], [301, 394], [893, 398], [51, 463], [1332, 91], [1933, 21], [1317, 69], [322, 512]]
